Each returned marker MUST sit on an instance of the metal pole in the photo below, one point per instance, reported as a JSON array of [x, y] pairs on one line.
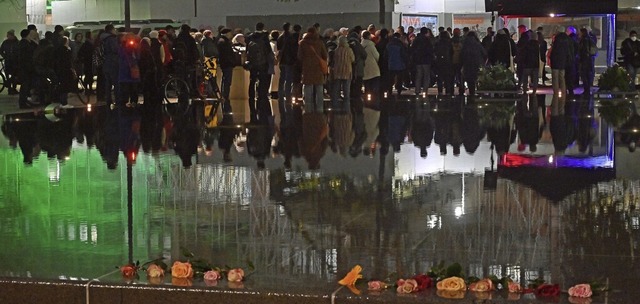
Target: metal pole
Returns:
[[130, 210], [127, 15]]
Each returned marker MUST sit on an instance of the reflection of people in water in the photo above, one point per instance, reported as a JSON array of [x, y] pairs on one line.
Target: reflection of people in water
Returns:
[[472, 131], [528, 123], [341, 132], [55, 137], [186, 137], [290, 134], [314, 141], [228, 132], [448, 125], [398, 123], [22, 132], [259, 142], [422, 127]]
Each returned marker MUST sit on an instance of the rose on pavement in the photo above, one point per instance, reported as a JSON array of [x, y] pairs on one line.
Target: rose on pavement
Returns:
[[580, 291], [452, 284], [515, 287], [407, 286], [376, 285], [548, 290], [212, 275], [423, 281], [155, 271], [181, 270], [235, 275]]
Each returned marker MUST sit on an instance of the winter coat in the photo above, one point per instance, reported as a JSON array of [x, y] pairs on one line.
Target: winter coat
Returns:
[[63, 69], [157, 51], [360, 55], [530, 55], [227, 56], [186, 49], [310, 53], [9, 51], [473, 55], [561, 52], [443, 51], [396, 54], [209, 47], [630, 50], [381, 46], [501, 50], [25, 58], [422, 51], [342, 66], [110, 46], [128, 58], [85, 54], [288, 47], [371, 68]]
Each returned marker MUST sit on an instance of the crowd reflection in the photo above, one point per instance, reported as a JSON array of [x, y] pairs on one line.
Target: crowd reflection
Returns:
[[454, 124]]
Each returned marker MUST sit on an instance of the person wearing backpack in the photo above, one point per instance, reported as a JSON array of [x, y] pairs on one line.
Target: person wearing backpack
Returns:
[[587, 51], [260, 64]]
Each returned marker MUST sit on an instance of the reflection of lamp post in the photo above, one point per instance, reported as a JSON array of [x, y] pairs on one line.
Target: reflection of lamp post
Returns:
[[131, 157]]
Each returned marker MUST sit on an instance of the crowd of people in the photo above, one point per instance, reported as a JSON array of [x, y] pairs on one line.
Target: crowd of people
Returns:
[[354, 68]]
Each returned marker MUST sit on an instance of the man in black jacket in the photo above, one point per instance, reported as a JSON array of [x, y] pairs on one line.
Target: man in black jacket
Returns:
[[9, 51], [422, 56], [260, 63], [562, 55], [287, 46], [226, 61], [630, 50]]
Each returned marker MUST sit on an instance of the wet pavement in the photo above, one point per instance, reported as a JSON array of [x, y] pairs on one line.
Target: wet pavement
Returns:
[[299, 216]]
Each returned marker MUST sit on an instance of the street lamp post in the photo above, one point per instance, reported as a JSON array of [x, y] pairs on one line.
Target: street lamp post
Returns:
[[127, 15]]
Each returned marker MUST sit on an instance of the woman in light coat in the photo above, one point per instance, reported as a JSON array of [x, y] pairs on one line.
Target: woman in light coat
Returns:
[[371, 69]]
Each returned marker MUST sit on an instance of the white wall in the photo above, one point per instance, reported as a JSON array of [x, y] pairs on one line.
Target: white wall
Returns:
[[66, 12], [13, 15], [440, 6]]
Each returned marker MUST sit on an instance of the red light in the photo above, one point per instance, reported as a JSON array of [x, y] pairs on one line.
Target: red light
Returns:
[[132, 156], [131, 42]]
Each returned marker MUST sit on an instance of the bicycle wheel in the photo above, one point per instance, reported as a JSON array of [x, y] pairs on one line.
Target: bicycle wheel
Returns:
[[3, 80], [176, 97]]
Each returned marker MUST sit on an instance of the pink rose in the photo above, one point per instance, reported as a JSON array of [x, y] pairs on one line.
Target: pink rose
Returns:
[[376, 285], [235, 275], [515, 287], [580, 291], [576, 300], [155, 271], [211, 283], [212, 275], [407, 286]]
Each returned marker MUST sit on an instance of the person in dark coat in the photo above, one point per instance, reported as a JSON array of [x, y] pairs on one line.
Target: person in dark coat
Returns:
[[530, 61], [26, 68], [586, 59], [473, 56], [397, 57], [381, 47], [502, 49], [129, 71], [630, 50], [422, 56], [110, 67], [85, 56], [444, 63], [422, 126], [571, 70], [560, 57], [63, 67], [9, 51], [358, 70], [226, 61]]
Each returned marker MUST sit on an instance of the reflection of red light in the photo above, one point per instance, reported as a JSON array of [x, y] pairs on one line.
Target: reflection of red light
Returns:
[[131, 42], [132, 156]]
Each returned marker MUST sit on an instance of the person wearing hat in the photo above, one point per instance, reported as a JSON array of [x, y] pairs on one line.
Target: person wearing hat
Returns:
[[9, 51]]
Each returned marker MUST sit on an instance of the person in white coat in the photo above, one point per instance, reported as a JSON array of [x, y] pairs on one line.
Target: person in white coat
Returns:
[[371, 70]]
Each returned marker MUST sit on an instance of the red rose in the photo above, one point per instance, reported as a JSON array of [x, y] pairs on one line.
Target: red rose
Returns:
[[128, 271], [548, 290], [424, 281]]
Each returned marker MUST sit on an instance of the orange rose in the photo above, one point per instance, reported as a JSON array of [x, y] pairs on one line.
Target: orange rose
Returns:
[[155, 271], [235, 275], [452, 284], [181, 270], [482, 285]]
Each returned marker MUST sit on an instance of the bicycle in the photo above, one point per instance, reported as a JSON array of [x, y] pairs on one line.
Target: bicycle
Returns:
[[47, 91], [177, 95]]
